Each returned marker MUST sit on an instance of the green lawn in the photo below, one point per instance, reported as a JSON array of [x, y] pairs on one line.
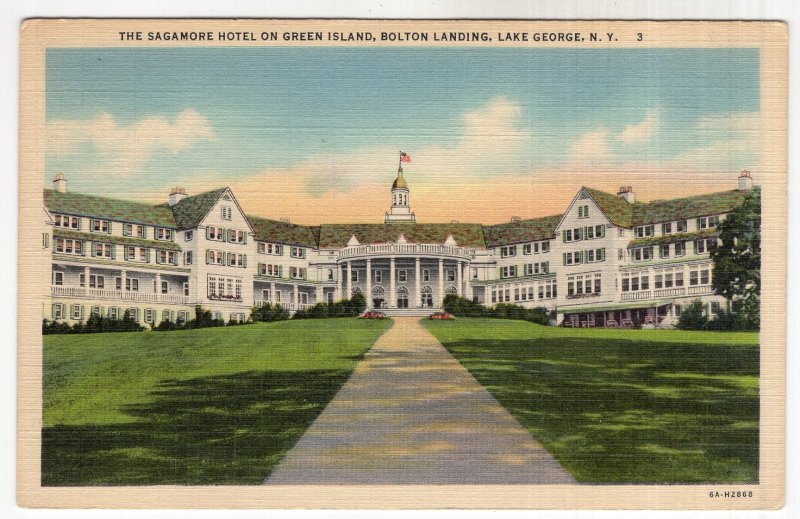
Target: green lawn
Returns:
[[209, 406], [623, 406]]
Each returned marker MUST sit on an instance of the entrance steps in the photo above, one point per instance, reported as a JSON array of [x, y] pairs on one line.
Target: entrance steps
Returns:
[[407, 312]]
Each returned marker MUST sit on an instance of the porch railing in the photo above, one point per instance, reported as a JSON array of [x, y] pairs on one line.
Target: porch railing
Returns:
[[118, 295], [406, 248]]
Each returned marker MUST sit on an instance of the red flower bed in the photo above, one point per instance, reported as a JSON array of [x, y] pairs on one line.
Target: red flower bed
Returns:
[[372, 315], [442, 316]]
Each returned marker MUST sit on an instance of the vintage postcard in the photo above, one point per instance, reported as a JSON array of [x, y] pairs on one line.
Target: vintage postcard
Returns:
[[402, 264]]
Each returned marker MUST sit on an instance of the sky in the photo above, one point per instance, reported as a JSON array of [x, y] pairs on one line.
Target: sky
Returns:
[[313, 134]]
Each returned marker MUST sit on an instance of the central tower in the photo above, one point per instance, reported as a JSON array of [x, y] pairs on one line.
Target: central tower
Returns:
[[400, 211]]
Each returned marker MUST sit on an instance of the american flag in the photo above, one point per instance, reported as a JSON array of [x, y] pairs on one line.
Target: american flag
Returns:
[[405, 157]]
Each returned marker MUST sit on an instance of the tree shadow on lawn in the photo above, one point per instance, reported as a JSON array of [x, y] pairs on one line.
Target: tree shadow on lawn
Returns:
[[223, 430], [616, 411]]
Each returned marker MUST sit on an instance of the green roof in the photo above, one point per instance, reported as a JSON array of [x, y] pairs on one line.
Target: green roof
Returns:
[[689, 207], [672, 238], [275, 231], [623, 214], [616, 208], [91, 206], [612, 306], [190, 211], [522, 231], [334, 236], [110, 238]]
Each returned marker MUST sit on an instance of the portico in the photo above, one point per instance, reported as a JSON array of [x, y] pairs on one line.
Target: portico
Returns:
[[404, 275]]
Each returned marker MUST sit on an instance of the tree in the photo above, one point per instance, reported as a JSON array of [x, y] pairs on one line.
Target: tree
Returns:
[[737, 259]]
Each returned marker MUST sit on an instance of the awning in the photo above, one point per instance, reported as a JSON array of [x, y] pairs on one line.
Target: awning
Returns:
[[633, 305]]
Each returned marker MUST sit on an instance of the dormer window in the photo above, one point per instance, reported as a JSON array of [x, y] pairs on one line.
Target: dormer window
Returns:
[[163, 234], [506, 252], [67, 222], [101, 226], [643, 231], [681, 226], [130, 229], [298, 252]]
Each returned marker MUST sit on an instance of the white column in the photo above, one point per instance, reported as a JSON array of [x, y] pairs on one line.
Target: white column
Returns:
[[349, 280], [368, 294], [86, 273], [319, 294], [124, 277], [158, 283], [441, 281], [459, 279], [295, 296], [467, 285], [418, 294], [272, 292], [392, 291]]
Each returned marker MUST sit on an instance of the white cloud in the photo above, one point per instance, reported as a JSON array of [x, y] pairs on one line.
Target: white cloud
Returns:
[[591, 148], [642, 131], [123, 150], [749, 122]]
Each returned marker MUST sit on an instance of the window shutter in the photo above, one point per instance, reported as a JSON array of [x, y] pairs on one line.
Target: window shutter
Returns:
[[208, 257], [79, 223], [585, 232], [564, 257], [110, 229], [83, 248], [208, 233], [564, 236], [91, 244], [698, 224], [83, 308], [53, 310], [125, 253], [144, 231], [244, 260], [113, 251], [602, 231]]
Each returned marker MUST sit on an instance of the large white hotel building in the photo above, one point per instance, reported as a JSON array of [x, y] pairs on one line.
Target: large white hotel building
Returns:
[[608, 260]]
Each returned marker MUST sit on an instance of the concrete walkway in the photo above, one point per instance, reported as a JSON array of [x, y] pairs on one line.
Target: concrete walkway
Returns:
[[410, 413]]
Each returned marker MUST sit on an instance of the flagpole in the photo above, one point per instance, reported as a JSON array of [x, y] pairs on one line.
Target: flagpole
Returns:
[[400, 161]]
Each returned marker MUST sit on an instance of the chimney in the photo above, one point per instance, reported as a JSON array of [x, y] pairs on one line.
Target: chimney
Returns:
[[176, 195], [515, 219], [745, 180], [627, 194], [60, 183]]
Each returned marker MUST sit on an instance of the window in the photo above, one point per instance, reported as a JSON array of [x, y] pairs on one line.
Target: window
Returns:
[[101, 226], [402, 276], [58, 278], [186, 288], [67, 222], [526, 249], [298, 252], [620, 233], [103, 250], [113, 312], [227, 213], [163, 234], [545, 246], [132, 284], [215, 233], [187, 258], [567, 235], [451, 274], [508, 272], [597, 284], [215, 257], [377, 276], [658, 281], [528, 269], [680, 248], [506, 252], [474, 273], [77, 310], [164, 287], [65, 246], [645, 281], [130, 229], [681, 226], [620, 254], [297, 273], [149, 315], [235, 236], [188, 236], [664, 250], [679, 279], [426, 275], [666, 228], [269, 270], [96, 281], [693, 277], [270, 248], [59, 310], [167, 257], [237, 260], [643, 231], [642, 253], [669, 280], [715, 307], [183, 316], [625, 284], [704, 277], [703, 246], [354, 276], [583, 211]]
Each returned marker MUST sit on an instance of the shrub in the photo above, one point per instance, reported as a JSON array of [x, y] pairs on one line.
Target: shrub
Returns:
[[352, 307], [461, 307], [268, 313], [692, 317], [95, 324]]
